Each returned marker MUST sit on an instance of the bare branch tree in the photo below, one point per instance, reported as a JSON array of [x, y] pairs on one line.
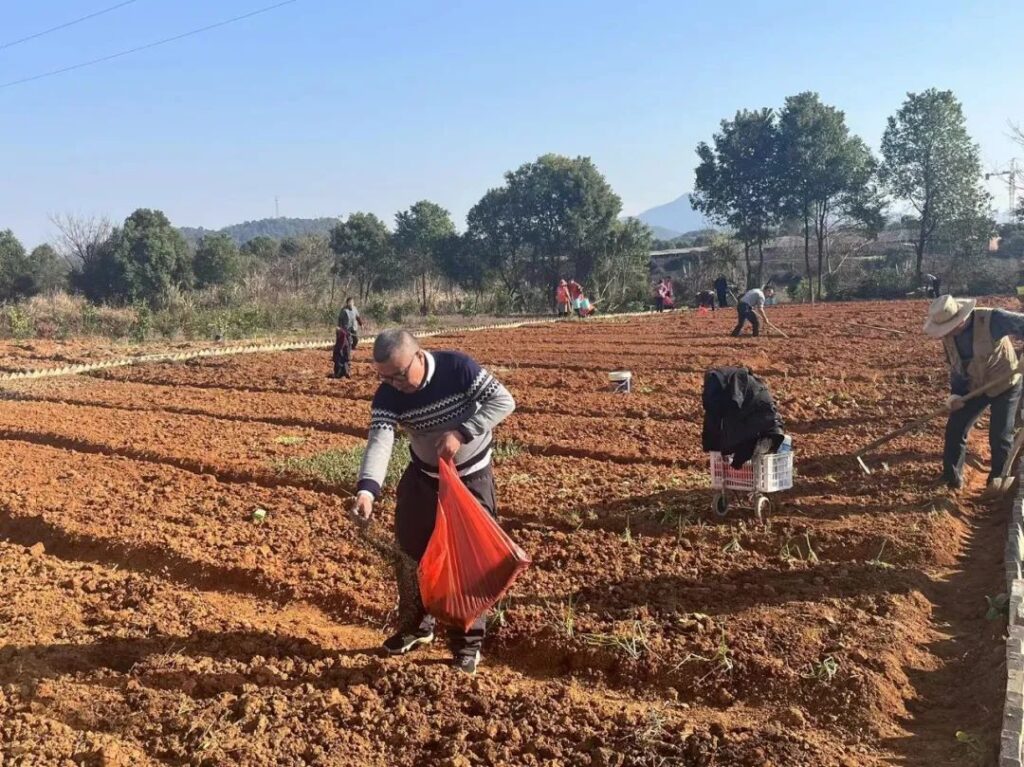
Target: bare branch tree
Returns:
[[80, 237]]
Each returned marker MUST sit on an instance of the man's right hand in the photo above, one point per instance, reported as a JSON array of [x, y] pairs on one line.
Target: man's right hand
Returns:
[[362, 507], [954, 403]]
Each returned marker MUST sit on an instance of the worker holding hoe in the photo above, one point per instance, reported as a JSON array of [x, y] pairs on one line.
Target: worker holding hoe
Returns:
[[980, 354], [449, 406], [750, 305]]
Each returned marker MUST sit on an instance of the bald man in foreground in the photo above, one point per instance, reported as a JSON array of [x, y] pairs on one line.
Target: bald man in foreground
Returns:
[[449, 406]]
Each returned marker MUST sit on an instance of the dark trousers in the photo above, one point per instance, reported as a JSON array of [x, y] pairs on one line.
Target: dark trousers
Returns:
[[415, 511], [659, 304], [746, 313], [723, 298], [1000, 433]]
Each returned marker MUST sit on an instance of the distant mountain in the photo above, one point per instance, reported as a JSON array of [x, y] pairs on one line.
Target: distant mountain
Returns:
[[677, 216], [277, 228], [661, 233]]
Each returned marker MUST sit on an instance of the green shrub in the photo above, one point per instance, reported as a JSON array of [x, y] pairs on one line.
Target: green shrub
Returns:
[[885, 284], [17, 323]]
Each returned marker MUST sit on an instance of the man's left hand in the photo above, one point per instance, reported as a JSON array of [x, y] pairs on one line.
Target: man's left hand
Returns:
[[448, 444]]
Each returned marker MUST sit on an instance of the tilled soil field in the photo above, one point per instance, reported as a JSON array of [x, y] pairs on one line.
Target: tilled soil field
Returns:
[[147, 620]]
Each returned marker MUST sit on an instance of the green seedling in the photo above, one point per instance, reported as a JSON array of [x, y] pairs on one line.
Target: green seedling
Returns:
[[998, 607], [499, 614], [824, 670], [565, 620], [733, 546], [289, 439], [633, 645], [878, 561], [627, 534], [811, 556], [971, 741]]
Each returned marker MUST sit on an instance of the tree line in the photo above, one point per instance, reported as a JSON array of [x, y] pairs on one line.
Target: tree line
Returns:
[[800, 168], [552, 218]]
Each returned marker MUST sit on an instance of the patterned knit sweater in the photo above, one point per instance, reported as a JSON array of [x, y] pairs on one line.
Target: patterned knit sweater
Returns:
[[457, 395]]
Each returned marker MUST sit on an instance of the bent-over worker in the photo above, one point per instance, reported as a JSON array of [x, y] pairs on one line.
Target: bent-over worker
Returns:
[[449, 406], [750, 305], [979, 352]]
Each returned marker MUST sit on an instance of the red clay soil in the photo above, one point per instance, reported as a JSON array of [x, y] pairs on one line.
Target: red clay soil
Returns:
[[149, 620]]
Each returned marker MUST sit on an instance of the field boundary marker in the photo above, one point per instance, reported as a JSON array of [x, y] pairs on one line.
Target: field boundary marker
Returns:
[[1011, 737], [284, 346]]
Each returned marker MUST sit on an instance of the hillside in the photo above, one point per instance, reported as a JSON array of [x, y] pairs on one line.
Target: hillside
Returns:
[[277, 228], [677, 216]]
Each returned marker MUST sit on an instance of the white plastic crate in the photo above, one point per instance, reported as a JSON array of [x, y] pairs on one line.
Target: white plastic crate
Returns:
[[764, 474]]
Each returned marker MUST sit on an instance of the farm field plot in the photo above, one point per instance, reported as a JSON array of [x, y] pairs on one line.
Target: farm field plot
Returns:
[[148, 620]]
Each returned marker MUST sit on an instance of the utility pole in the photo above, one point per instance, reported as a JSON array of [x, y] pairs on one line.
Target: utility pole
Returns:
[[1011, 182], [277, 207]]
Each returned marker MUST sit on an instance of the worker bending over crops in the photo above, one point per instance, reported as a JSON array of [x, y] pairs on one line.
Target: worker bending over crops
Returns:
[[980, 354], [449, 406], [750, 305]]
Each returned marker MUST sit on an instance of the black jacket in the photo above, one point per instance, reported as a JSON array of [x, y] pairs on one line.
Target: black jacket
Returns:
[[738, 411]]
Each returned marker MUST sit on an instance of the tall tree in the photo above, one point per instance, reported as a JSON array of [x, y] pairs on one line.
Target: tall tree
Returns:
[[49, 269], [929, 160], [495, 232], [151, 258], [217, 260], [553, 217], [363, 250], [17, 280], [420, 233], [737, 181], [623, 266], [826, 173]]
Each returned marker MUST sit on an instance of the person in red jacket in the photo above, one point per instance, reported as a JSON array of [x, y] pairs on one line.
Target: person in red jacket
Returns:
[[575, 290], [563, 299]]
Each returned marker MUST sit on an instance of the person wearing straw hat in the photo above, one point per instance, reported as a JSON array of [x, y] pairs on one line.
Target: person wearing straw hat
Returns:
[[980, 353]]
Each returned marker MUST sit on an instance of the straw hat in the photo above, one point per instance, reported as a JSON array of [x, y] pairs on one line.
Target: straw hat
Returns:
[[945, 313]]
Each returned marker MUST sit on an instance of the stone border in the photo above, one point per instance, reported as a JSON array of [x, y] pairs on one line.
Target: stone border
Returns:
[[1011, 740]]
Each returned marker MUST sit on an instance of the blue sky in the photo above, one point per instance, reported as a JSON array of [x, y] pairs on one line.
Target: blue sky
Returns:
[[336, 107]]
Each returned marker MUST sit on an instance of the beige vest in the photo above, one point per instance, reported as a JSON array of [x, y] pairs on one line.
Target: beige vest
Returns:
[[991, 362]]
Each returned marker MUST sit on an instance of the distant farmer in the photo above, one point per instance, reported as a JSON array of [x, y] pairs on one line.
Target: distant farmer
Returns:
[[562, 299], [706, 300], [350, 321], [341, 354], [449, 406], [931, 285], [575, 290], [722, 291], [980, 352], [583, 306], [667, 293], [750, 305]]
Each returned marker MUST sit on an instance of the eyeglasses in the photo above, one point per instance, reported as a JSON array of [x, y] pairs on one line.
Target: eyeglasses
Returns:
[[402, 374]]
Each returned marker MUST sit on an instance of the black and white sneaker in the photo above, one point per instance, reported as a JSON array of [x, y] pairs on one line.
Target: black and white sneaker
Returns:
[[406, 641], [467, 662]]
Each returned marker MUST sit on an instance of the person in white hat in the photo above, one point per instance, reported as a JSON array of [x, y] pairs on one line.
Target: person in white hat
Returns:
[[980, 353]]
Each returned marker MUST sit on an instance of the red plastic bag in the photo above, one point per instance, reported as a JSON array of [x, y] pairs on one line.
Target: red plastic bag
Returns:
[[469, 562]]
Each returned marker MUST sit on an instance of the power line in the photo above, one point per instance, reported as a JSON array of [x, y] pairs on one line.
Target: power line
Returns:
[[65, 25], [146, 47]]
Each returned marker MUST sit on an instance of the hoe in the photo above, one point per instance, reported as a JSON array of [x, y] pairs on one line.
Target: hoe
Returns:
[[924, 420]]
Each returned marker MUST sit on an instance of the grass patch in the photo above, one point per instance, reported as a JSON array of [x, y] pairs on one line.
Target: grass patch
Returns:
[[289, 439], [506, 450], [340, 466]]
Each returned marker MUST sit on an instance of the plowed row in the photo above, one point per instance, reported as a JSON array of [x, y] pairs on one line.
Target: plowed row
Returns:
[[149, 620]]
